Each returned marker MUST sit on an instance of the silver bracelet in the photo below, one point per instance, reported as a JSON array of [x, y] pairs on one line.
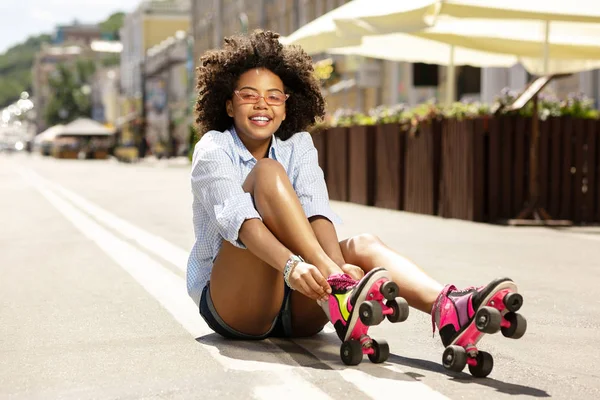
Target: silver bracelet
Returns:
[[289, 266]]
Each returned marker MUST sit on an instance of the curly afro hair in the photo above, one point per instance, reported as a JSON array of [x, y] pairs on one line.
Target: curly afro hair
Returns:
[[220, 70]]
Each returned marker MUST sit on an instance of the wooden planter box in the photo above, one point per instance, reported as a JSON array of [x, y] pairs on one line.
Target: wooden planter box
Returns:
[[390, 140], [421, 190], [319, 140], [336, 145], [361, 169], [475, 169], [570, 169], [462, 183]]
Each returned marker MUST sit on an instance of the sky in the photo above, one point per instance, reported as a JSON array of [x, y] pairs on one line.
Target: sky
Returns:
[[20, 19]]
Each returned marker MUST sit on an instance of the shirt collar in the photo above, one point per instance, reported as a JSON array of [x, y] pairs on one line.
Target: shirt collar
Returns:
[[245, 155]]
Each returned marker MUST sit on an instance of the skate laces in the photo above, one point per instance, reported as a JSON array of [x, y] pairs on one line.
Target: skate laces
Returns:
[[449, 290], [435, 310], [463, 292], [341, 281]]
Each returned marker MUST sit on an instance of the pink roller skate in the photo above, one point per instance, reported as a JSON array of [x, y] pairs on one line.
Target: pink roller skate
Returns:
[[464, 316], [353, 306]]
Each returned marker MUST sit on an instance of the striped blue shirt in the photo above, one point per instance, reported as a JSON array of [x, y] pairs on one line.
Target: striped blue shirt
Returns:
[[220, 166]]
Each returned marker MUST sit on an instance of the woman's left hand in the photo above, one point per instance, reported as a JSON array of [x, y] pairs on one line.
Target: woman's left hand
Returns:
[[354, 271]]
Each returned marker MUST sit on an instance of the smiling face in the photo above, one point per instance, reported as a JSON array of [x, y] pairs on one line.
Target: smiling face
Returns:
[[257, 108]]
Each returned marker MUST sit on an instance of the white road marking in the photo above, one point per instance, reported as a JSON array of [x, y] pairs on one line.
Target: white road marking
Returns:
[[170, 290], [152, 243]]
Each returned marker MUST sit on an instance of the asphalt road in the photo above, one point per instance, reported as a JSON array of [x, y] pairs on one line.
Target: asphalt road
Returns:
[[93, 300]]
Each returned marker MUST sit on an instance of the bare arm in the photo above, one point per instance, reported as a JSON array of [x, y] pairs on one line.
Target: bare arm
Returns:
[[262, 243]]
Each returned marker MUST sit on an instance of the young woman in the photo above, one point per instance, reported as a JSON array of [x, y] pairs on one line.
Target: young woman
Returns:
[[267, 260]]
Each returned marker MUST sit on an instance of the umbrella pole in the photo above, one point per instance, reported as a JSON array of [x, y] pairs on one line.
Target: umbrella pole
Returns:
[[534, 214], [450, 78], [546, 46]]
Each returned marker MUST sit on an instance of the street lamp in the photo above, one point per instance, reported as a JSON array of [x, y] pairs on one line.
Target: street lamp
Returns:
[[243, 17]]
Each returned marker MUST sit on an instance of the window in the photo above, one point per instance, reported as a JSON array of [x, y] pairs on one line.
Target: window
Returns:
[[425, 74]]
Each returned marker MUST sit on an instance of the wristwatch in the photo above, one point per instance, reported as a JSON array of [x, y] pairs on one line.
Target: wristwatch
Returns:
[[289, 266]]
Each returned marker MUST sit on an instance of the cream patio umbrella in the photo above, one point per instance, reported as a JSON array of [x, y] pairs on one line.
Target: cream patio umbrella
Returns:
[[85, 127], [345, 25], [553, 28], [363, 18], [323, 34]]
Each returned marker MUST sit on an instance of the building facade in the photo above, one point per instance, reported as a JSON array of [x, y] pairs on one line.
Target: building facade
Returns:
[[45, 66], [146, 27], [169, 95], [80, 34], [105, 96], [365, 83], [71, 43], [212, 20]]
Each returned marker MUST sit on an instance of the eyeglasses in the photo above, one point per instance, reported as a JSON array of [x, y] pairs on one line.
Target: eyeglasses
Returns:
[[252, 97]]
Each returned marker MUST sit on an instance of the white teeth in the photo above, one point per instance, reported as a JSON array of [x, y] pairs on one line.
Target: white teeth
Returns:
[[259, 119]]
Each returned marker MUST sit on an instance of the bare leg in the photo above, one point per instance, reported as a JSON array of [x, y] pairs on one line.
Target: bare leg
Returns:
[[246, 292], [368, 252], [238, 277], [281, 211]]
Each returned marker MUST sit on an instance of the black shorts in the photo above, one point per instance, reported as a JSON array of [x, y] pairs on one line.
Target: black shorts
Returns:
[[282, 325]]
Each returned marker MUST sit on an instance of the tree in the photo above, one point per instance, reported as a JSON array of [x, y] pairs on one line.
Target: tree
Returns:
[[71, 93], [16, 63], [15, 69], [110, 28]]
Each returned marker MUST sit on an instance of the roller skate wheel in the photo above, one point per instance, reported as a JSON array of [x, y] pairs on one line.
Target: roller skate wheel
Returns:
[[485, 364], [370, 313], [454, 358], [513, 301], [351, 352], [488, 320], [381, 351], [517, 328], [400, 308], [389, 290]]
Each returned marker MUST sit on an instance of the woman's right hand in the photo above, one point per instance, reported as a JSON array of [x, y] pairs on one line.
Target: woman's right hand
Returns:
[[309, 281]]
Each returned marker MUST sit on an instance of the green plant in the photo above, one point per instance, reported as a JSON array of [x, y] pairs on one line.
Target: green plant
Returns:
[[462, 110], [578, 105], [389, 114], [346, 117], [70, 94], [15, 68]]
